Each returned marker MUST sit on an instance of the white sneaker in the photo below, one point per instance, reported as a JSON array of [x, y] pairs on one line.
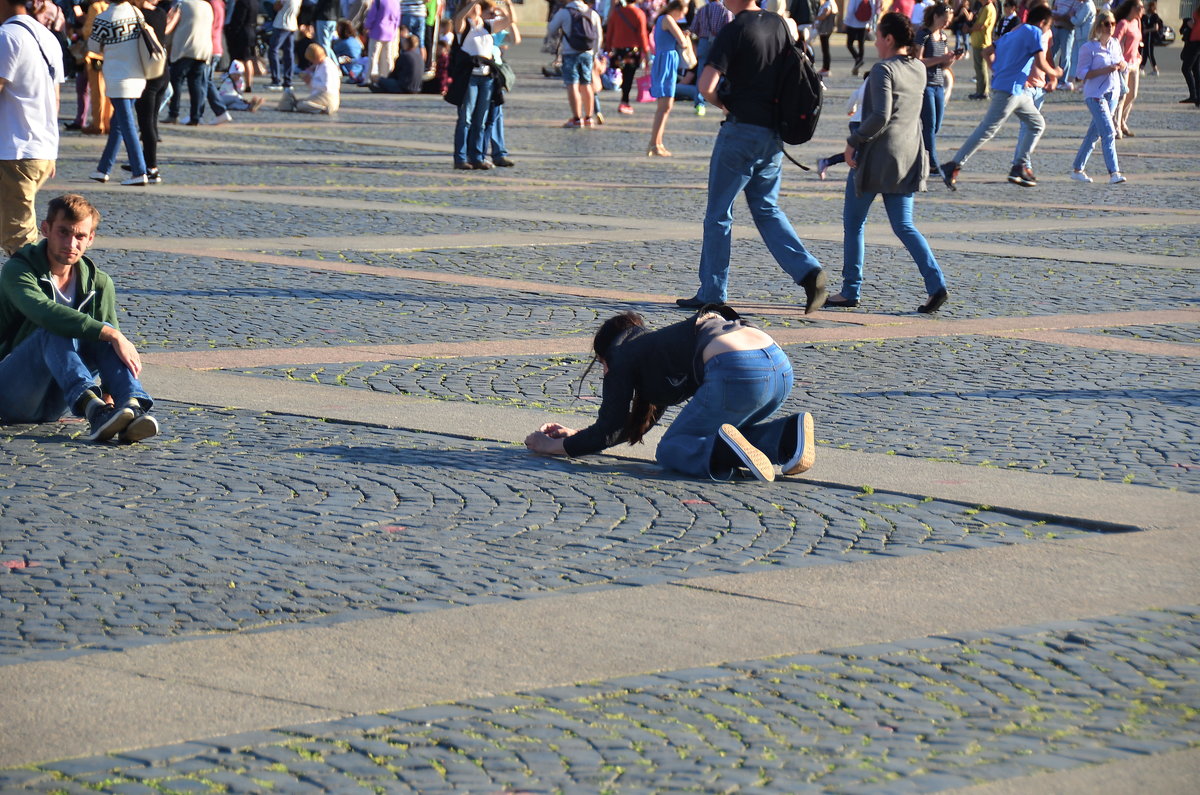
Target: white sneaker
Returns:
[[701, 110], [1080, 176], [1116, 179], [141, 179], [806, 447], [99, 176], [224, 117]]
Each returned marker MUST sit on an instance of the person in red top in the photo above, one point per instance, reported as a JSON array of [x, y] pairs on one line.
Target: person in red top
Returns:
[[628, 46]]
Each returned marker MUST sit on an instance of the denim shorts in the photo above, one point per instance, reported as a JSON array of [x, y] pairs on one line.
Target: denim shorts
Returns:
[[577, 68]]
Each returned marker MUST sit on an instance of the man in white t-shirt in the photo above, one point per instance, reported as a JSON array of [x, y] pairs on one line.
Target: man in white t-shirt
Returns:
[[31, 69], [324, 83]]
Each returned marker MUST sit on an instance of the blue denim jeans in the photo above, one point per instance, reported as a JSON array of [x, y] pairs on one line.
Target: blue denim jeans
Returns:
[[933, 110], [214, 97], [43, 377], [1101, 128], [1064, 41], [124, 128], [854, 223], [325, 30], [415, 24], [495, 132], [195, 73], [742, 388], [577, 68], [1025, 135], [281, 57], [745, 158], [999, 109], [703, 48], [470, 133]]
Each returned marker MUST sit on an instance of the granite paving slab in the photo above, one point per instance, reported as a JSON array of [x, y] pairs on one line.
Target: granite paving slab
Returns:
[[107, 548], [927, 715]]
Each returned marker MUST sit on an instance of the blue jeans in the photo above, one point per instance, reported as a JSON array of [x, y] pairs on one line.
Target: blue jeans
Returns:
[[1101, 128], [999, 109], [194, 72], [577, 68], [742, 388], [325, 30], [281, 57], [44, 377], [415, 25], [214, 97], [746, 158], [933, 110], [1025, 135], [854, 223], [470, 133], [495, 133], [1064, 40], [124, 128]]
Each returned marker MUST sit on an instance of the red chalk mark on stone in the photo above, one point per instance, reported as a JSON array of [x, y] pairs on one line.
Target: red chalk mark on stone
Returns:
[[394, 528], [18, 564], [695, 502]]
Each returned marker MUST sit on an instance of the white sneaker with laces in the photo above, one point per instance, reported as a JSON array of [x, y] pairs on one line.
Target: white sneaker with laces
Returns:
[[1116, 179], [1080, 176], [224, 117]]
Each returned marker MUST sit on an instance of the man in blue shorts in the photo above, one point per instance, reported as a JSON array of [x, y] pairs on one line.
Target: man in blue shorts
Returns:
[[581, 34]]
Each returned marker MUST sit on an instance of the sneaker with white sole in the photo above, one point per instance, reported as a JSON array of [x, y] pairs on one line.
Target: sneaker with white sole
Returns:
[[806, 447], [140, 179], [224, 117], [1116, 178], [1080, 176], [105, 423], [99, 176], [141, 427], [751, 457]]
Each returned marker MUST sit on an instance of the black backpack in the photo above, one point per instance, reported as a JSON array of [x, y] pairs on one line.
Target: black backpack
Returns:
[[798, 98], [582, 35]]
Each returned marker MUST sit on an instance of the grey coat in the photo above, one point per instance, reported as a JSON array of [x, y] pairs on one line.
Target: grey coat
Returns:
[[891, 156]]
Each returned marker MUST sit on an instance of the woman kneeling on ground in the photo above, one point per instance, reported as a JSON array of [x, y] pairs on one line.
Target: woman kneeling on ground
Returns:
[[733, 376]]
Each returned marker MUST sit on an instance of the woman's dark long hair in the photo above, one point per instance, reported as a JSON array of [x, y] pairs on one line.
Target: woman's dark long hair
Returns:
[[642, 414], [899, 27], [1126, 9]]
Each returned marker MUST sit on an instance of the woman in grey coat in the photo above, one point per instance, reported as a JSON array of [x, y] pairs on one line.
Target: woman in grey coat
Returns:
[[886, 156]]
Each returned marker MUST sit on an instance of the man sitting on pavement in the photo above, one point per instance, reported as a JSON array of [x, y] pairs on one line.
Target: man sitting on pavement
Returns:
[[58, 333]]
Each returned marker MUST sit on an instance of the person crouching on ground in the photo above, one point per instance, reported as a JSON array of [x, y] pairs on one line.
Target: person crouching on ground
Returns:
[[324, 84], [732, 376], [58, 334]]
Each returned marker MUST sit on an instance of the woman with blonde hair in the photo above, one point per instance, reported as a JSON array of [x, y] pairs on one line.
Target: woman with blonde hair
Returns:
[[1101, 64]]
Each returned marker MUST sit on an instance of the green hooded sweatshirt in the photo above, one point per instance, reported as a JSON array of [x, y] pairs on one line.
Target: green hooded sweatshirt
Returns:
[[27, 300]]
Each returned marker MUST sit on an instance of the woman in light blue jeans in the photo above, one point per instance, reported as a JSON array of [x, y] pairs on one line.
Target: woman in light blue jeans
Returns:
[[732, 378], [1100, 66]]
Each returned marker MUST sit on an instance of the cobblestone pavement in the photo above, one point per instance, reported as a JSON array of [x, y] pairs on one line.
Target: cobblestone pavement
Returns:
[[240, 522], [1023, 404], [343, 518], [921, 715]]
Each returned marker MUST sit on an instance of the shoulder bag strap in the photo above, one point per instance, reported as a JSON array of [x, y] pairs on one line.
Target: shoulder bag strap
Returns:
[[41, 52]]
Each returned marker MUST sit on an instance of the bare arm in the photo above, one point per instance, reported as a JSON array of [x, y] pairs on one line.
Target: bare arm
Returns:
[[674, 29], [172, 20], [123, 348]]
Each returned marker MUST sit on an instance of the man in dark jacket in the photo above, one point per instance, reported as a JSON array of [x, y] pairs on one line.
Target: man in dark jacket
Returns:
[[58, 334]]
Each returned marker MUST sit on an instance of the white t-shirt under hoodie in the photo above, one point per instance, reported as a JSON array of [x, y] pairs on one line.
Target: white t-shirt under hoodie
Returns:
[[116, 33]]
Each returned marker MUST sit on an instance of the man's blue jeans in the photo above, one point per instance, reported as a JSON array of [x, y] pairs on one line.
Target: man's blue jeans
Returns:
[[470, 133], [703, 47], [1064, 40], [325, 30], [1101, 128], [195, 73], [124, 128], [43, 377], [214, 97], [1025, 135], [854, 223], [742, 388], [933, 110], [415, 25], [746, 158], [999, 109], [281, 57]]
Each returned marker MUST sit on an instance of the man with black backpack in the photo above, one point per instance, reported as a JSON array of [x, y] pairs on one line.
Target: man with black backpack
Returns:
[[753, 54], [580, 27]]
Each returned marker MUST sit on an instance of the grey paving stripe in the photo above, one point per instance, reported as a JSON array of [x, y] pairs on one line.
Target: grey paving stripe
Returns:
[[1026, 286], [924, 715], [325, 520], [971, 400]]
